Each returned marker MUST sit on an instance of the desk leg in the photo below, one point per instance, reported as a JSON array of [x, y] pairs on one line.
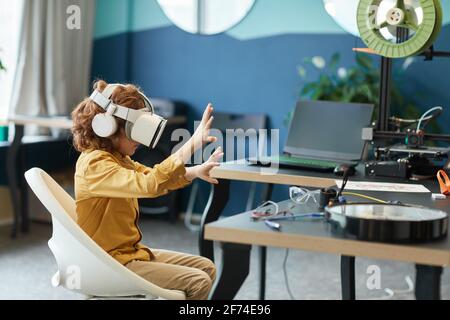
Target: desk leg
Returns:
[[348, 277], [11, 172], [263, 251], [233, 271], [24, 216], [262, 272], [218, 198], [428, 282]]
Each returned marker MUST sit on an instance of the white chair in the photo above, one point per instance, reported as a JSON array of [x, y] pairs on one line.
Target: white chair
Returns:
[[83, 266]]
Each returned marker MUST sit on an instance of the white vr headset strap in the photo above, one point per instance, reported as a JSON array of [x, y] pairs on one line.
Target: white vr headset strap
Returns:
[[100, 99], [120, 112], [108, 91]]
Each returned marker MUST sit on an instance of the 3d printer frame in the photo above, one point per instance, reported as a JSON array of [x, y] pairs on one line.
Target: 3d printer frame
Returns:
[[382, 131]]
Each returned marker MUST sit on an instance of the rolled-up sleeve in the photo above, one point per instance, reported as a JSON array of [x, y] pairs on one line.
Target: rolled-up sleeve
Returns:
[[104, 177]]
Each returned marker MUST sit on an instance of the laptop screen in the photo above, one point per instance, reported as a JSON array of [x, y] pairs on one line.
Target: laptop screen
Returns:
[[328, 130]]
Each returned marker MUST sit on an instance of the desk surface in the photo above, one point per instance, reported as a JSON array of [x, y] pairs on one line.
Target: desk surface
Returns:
[[240, 170], [321, 236], [49, 122]]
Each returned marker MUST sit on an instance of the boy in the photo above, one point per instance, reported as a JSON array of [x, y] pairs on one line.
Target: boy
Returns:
[[108, 183]]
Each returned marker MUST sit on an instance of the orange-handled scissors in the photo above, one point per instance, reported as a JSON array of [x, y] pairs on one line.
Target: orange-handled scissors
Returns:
[[444, 182]]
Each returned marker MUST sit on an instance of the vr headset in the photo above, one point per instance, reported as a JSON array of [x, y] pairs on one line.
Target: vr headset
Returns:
[[142, 126]]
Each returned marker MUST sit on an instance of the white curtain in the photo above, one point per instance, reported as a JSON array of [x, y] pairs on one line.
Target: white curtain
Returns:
[[53, 69]]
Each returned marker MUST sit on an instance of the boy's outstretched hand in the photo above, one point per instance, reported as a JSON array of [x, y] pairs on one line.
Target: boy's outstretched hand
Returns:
[[201, 134], [200, 137], [202, 171]]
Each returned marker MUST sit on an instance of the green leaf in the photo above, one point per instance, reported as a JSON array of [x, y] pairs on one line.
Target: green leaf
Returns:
[[307, 60], [301, 71], [364, 61], [308, 89], [335, 58]]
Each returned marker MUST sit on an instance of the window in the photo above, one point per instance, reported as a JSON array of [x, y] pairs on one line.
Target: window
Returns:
[[10, 15]]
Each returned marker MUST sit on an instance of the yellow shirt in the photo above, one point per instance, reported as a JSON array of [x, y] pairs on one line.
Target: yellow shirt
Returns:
[[106, 190]]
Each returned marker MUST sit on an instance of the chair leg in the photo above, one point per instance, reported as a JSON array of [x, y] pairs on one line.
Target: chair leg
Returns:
[[190, 208], [218, 198], [251, 196], [173, 207]]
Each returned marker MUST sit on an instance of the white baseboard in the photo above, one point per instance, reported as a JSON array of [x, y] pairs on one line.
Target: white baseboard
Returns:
[[195, 217], [6, 222]]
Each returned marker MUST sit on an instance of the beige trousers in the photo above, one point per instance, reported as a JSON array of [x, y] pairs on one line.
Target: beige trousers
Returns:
[[178, 271]]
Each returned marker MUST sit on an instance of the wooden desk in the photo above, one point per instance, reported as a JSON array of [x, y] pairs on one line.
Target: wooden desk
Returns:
[[240, 171], [48, 122], [243, 172], [16, 169]]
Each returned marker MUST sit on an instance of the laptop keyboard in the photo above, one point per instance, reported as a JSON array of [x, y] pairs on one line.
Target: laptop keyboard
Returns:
[[308, 162]]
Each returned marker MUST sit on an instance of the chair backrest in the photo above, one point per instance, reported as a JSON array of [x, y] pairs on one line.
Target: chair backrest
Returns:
[[255, 122], [225, 120], [83, 266]]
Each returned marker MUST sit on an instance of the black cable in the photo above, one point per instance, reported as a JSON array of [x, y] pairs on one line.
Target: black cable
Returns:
[[286, 276], [344, 182]]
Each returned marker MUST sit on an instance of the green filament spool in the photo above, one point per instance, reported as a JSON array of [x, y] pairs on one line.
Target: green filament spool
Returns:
[[399, 28]]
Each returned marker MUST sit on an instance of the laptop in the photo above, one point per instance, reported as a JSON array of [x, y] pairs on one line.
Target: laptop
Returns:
[[323, 135]]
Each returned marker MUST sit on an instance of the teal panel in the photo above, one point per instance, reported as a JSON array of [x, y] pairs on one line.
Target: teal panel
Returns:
[[147, 14], [111, 17], [446, 11], [272, 17], [267, 18]]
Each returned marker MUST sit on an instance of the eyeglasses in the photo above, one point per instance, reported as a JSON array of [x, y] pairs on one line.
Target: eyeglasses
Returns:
[[302, 195], [269, 209]]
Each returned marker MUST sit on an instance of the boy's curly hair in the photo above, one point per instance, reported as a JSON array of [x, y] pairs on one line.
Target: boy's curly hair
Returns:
[[83, 135]]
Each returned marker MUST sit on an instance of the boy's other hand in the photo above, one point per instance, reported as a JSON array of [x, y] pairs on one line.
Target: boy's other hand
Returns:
[[203, 170]]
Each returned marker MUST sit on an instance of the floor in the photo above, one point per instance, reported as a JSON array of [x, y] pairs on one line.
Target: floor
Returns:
[[26, 266]]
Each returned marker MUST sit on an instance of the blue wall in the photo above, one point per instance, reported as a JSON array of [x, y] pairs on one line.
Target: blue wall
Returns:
[[251, 68]]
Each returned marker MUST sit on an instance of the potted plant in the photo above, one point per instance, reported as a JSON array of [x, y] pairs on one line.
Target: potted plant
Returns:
[[358, 83]]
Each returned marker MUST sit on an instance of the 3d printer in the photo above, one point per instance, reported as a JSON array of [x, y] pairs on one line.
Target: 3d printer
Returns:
[[398, 29], [411, 158]]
